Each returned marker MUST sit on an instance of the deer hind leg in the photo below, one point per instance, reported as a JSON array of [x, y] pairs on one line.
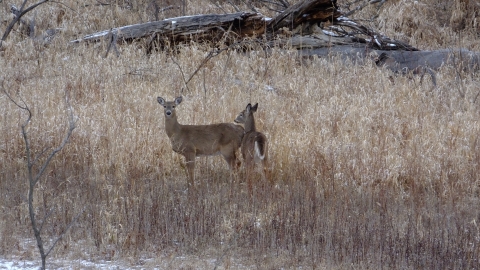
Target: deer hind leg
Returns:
[[267, 171], [249, 160], [249, 170]]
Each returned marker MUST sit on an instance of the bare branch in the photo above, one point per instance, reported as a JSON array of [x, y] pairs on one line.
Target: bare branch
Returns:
[[64, 231], [476, 96], [39, 155], [19, 16], [45, 217], [11, 99], [112, 42], [210, 55], [37, 227], [181, 71]]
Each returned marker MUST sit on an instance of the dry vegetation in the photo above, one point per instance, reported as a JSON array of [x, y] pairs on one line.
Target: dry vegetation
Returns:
[[369, 172]]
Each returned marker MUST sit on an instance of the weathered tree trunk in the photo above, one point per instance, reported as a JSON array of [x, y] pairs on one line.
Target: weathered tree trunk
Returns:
[[209, 27], [312, 27], [308, 24]]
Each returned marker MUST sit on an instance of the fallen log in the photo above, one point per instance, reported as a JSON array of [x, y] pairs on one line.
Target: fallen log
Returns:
[[308, 24], [314, 27], [183, 29]]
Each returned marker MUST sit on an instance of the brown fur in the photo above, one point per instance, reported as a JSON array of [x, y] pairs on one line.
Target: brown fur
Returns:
[[201, 140], [254, 144]]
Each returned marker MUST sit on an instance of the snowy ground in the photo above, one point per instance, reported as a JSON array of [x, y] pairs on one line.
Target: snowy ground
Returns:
[[178, 262], [34, 265], [26, 257]]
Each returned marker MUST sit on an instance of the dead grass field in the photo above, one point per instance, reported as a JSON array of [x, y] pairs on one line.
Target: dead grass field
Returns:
[[369, 172]]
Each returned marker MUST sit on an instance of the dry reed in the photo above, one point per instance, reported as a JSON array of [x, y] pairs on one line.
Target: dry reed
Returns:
[[371, 170]]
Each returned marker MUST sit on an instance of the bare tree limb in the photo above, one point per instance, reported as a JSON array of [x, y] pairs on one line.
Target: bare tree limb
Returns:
[[39, 155], [181, 72], [64, 231], [476, 96], [45, 217], [33, 180], [210, 55], [18, 16], [112, 42]]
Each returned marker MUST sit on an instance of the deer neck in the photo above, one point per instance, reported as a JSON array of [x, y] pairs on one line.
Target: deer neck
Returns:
[[172, 126], [250, 124]]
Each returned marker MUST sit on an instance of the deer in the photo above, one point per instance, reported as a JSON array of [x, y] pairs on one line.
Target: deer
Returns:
[[254, 144], [192, 141]]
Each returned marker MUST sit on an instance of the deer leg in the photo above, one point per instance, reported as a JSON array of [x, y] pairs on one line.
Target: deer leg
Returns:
[[233, 163], [249, 166], [231, 158], [267, 171], [190, 160]]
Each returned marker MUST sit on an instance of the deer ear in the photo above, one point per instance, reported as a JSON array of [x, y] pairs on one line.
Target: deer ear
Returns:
[[178, 100], [254, 108], [161, 100], [249, 106]]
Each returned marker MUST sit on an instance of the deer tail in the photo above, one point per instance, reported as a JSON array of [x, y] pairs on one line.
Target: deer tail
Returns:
[[260, 145]]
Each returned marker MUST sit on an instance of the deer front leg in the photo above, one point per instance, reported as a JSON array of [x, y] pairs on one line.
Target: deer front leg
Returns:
[[190, 160], [230, 156]]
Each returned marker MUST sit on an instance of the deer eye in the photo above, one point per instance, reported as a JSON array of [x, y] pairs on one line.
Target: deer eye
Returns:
[[173, 106], [164, 106]]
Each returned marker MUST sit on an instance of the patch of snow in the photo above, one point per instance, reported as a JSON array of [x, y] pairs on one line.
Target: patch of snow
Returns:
[[269, 88], [14, 264]]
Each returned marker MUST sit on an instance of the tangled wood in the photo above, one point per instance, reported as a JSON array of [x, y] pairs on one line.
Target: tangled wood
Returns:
[[314, 27]]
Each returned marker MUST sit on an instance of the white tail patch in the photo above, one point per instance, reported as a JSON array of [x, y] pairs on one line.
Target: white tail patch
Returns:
[[257, 151]]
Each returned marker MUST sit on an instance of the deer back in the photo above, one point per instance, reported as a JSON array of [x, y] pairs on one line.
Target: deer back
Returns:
[[207, 139], [199, 139]]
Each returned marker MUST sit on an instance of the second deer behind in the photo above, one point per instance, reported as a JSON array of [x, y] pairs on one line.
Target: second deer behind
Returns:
[[254, 144]]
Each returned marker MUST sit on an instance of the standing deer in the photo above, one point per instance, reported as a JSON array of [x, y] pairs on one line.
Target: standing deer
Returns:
[[254, 143], [201, 140]]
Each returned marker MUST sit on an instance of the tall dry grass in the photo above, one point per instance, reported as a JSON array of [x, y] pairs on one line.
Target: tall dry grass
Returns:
[[371, 170]]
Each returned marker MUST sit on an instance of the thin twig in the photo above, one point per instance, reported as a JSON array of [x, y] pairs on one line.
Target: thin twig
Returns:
[[181, 71], [475, 99], [210, 55], [45, 217], [39, 155], [64, 232]]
